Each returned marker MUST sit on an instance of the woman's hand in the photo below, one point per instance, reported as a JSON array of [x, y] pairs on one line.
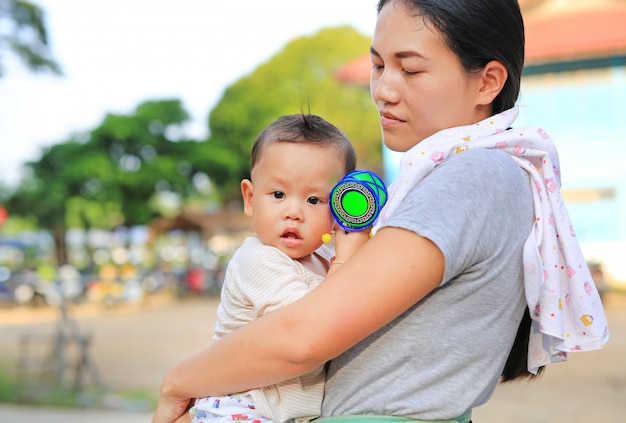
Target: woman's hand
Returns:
[[171, 409], [185, 418]]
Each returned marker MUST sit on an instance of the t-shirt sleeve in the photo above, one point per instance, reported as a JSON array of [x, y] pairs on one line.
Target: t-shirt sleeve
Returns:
[[466, 207]]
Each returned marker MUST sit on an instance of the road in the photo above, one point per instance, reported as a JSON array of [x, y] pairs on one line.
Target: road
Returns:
[[20, 414], [133, 345]]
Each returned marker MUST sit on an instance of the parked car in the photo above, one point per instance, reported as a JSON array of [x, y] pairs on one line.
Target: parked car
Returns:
[[21, 287]]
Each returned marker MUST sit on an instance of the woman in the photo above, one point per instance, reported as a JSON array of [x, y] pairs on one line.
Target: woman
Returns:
[[420, 322]]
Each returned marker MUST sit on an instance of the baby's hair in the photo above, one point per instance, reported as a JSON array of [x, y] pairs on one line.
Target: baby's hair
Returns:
[[307, 129]]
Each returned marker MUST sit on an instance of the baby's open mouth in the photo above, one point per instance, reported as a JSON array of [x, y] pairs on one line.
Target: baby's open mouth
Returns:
[[291, 235]]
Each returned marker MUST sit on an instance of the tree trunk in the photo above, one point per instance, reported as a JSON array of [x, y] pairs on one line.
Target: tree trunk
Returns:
[[59, 244]]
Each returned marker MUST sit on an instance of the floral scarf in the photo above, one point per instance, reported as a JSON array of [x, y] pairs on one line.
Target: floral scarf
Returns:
[[564, 304]]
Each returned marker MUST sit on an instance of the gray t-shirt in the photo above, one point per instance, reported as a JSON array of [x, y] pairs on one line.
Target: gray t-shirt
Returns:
[[445, 354]]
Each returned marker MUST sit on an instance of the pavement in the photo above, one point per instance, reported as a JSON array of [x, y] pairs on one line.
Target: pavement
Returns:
[[33, 414], [133, 346]]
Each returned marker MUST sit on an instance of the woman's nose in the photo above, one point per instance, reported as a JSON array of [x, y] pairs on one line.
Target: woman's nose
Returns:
[[382, 88]]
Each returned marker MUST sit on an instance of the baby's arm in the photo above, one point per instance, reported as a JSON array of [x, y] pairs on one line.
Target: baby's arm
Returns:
[[346, 244], [353, 220]]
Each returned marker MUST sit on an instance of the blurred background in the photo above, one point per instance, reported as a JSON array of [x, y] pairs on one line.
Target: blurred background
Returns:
[[125, 129]]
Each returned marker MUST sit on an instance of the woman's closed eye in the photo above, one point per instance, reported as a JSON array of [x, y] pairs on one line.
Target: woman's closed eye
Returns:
[[410, 72]]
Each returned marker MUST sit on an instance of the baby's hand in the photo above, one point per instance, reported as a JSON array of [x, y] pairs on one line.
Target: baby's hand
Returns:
[[348, 243]]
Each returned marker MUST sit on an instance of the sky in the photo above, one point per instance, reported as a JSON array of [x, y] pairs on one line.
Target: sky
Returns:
[[116, 54]]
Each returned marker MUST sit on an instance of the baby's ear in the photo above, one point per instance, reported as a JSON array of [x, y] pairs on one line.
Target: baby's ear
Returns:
[[247, 192]]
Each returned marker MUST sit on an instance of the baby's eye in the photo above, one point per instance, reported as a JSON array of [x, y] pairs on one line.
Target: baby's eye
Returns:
[[278, 195], [314, 200]]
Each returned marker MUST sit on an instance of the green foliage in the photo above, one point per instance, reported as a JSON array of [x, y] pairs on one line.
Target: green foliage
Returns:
[[300, 78], [109, 178], [84, 213], [23, 32], [7, 383], [133, 167], [15, 225], [116, 174]]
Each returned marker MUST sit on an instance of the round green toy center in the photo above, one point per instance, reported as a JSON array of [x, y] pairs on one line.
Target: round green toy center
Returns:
[[354, 203]]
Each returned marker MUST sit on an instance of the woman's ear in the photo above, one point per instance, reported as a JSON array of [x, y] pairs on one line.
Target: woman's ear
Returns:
[[247, 192], [493, 78]]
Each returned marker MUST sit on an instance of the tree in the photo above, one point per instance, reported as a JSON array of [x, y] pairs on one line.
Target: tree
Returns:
[[43, 195], [114, 175], [23, 32], [133, 167], [300, 78]]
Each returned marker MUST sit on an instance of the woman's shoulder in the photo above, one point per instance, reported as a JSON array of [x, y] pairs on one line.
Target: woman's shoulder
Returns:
[[481, 168], [481, 157], [467, 194]]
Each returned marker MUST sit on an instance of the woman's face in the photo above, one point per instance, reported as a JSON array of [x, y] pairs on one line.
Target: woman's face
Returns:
[[418, 83]]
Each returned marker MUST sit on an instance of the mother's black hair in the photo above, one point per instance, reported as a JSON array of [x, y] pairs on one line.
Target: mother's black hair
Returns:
[[479, 31]]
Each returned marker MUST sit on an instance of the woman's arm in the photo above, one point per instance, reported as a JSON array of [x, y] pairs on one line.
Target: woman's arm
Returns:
[[390, 273]]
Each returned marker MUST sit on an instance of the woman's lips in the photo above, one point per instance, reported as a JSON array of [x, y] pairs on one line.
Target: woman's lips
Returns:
[[388, 120]]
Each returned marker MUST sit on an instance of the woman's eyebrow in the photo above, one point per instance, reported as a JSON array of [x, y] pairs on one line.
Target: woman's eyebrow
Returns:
[[400, 54]]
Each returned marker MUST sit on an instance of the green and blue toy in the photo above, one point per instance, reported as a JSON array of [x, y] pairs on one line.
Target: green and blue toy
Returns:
[[357, 199]]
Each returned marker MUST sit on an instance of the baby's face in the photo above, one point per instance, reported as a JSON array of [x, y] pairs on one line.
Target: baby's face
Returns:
[[288, 196]]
